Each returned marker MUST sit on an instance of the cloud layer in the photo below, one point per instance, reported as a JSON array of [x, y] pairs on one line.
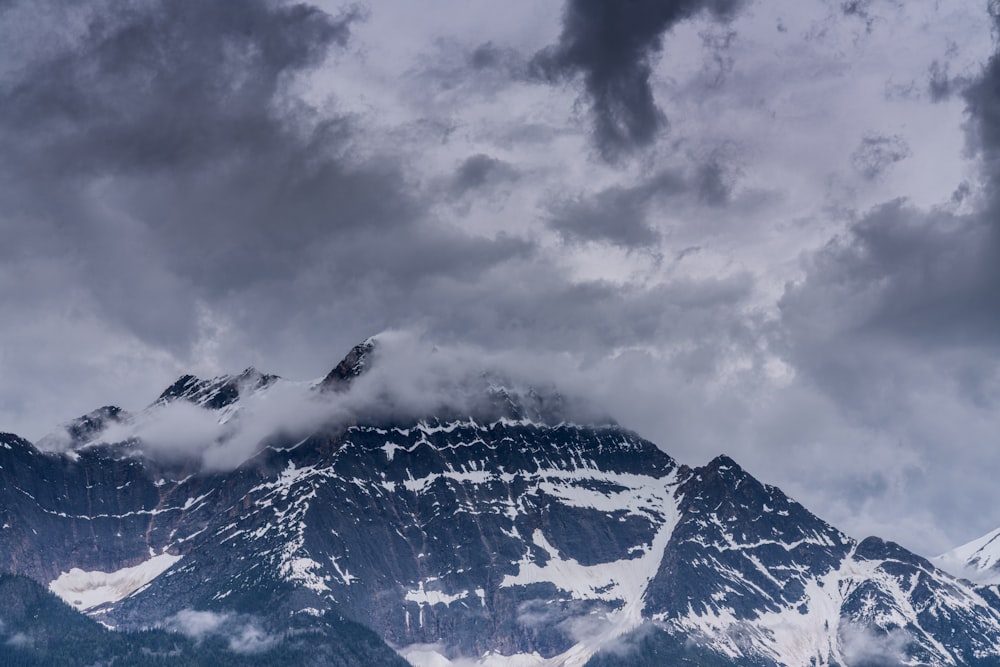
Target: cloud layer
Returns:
[[798, 271]]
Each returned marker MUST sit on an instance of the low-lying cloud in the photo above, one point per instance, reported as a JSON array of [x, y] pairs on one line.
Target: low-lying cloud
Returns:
[[242, 633], [864, 647], [407, 378]]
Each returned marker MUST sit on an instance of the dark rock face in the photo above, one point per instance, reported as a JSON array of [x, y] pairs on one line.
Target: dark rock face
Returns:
[[509, 536], [353, 365], [218, 392], [733, 546], [413, 532], [91, 425], [39, 630]]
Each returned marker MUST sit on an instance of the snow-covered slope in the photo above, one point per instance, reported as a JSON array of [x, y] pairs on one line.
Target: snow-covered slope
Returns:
[[87, 590], [978, 560]]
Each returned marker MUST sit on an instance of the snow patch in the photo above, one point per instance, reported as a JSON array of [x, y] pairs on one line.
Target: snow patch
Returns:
[[425, 597], [85, 590]]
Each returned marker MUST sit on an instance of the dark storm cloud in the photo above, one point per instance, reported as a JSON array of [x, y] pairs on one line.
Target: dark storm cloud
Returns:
[[162, 156], [612, 44], [158, 143], [904, 287], [983, 100], [165, 85], [927, 277]]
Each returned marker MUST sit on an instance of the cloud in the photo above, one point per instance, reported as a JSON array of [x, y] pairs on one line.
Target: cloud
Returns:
[[616, 215], [180, 431], [941, 85], [622, 216], [863, 646], [895, 321], [481, 171], [197, 624], [877, 153], [244, 193], [406, 378], [242, 633], [411, 376], [109, 105], [612, 45], [114, 174], [173, 195], [323, 175], [173, 432], [860, 9], [904, 282]]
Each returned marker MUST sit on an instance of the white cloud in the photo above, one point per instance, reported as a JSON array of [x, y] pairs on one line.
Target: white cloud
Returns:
[[243, 633], [860, 645]]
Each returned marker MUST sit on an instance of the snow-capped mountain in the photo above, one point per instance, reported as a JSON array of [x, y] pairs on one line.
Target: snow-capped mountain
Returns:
[[978, 560], [505, 538]]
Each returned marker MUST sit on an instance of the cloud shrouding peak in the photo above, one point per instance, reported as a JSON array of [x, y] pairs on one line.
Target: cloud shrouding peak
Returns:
[[397, 377]]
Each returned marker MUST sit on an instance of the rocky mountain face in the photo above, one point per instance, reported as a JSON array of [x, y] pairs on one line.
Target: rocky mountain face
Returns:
[[503, 538]]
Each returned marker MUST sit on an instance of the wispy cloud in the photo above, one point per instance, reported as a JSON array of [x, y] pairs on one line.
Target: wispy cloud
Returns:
[[243, 633]]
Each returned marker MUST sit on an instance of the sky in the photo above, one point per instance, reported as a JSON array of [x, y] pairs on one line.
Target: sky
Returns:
[[765, 229]]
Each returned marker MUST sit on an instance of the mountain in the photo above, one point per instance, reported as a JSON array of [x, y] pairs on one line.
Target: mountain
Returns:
[[978, 560], [38, 629], [510, 536]]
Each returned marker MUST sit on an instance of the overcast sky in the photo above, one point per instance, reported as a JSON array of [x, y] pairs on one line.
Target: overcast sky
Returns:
[[764, 228]]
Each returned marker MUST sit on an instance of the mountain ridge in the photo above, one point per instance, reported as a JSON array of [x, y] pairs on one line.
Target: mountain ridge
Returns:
[[456, 541]]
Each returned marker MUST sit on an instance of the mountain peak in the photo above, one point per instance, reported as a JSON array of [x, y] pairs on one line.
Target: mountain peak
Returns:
[[875, 548], [350, 367], [723, 463], [217, 392], [978, 560], [12, 441]]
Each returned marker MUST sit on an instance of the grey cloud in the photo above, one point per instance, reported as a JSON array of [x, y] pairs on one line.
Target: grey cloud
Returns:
[[620, 215], [160, 143], [540, 311], [616, 215], [861, 9], [896, 318], [926, 278], [941, 85], [242, 632], [983, 100], [485, 69], [166, 143], [612, 45], [876, 153], [491, 56], [719, 44], [862, 646], [152, 86], [714, 183], [481, 170]]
